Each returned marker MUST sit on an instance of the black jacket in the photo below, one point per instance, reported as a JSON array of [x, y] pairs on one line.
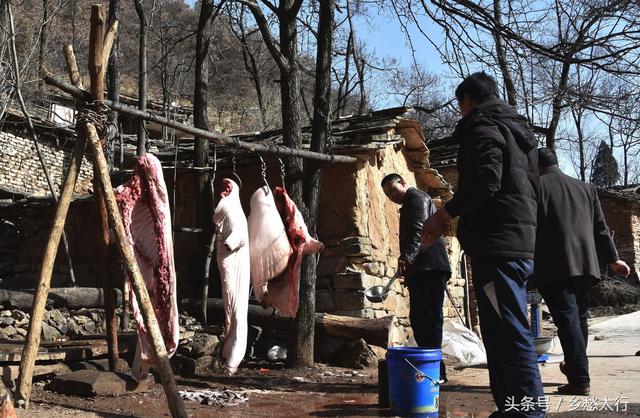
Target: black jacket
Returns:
[[572, 233], [498, 183], [417, 206]]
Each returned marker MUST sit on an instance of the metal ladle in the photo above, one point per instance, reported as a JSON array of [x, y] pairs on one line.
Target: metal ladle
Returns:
[[378, 294]]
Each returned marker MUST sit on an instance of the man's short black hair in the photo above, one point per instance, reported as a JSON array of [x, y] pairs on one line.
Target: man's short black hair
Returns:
[[390, 178], [479, 86], [546, 157]]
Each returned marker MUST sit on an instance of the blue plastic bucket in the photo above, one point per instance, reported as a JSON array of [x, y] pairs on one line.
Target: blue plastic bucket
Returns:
[[413, 381]]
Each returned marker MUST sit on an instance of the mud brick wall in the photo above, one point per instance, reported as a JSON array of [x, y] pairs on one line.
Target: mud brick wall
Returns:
[[360, 228], [623, 218], [32, 225], [21, 171]]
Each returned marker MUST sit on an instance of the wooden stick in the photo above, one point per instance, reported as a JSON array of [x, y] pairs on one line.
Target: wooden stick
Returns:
[[96, 73], [72, 66], [109, 38], [161, 361], [201, 133], [37, 311]]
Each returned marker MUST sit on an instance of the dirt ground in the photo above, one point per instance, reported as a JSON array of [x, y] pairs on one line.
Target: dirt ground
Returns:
[[329, 391]]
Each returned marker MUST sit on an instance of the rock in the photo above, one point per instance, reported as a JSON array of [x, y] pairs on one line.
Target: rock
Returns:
[[57, 317], [355, 355], [204, 344], [324, 301], [81, 319], [201, 365], [21, 331], [187, 335], [5, 313], [89, 327], [7, 320], [50, 333], [95, 383], [381, 352], [8, 331]]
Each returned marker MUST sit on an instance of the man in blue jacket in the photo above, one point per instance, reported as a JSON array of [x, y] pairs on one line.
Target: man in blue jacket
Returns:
[[426, 269], [496, 201]]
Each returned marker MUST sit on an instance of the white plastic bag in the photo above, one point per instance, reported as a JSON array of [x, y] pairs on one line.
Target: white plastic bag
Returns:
[[462, 344]]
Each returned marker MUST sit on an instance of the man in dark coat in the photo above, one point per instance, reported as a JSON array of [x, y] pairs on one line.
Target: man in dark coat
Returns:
[[496, 200], [572, 236], [426, 270]]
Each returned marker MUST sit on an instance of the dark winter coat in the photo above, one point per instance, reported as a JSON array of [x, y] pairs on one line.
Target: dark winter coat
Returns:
[[498, 183], [572, 233], [417, 206]]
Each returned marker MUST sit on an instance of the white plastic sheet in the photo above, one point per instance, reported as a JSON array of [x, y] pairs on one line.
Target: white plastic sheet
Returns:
[[461, 343]]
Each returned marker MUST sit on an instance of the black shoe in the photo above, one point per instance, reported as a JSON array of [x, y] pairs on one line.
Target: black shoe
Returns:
[[571, 389]]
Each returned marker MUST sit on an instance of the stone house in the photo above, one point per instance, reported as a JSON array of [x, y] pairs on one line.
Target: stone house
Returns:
[[358, 224], [621, 207]]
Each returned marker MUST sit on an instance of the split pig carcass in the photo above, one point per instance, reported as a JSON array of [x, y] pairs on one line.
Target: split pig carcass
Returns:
[[144, 204], [281, 288], [232, 254]]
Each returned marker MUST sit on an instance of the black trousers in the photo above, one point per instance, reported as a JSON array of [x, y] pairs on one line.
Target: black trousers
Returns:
[[567, 302], [426, 296]]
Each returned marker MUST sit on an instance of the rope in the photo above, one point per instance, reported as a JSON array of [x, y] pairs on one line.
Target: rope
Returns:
[[94, 112]]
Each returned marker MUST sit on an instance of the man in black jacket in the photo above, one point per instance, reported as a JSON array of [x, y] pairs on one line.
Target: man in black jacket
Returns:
[[497, 202], [426, 269], [572, 236]]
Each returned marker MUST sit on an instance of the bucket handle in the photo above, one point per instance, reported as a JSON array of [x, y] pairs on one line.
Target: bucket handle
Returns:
[[435, 382]]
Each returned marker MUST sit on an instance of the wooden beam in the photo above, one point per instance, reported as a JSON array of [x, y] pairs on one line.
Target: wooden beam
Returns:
[[161, 361], [220, 139], [44, 282], [96, 72]]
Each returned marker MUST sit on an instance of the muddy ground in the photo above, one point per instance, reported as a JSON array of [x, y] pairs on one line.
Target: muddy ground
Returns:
[[319, 392]]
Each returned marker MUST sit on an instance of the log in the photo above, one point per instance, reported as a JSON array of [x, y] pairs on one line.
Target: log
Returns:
[[161, 360], [97, 67], [383, 332], [196, 132], [44, 282], [62, 297]]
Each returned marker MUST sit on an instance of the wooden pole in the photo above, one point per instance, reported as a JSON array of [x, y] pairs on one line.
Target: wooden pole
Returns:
[[37, 311], [196, 132], [161, 361], [97, 50]]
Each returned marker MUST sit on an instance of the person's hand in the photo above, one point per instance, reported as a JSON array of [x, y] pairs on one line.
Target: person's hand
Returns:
[[434, 227], [620, 267], [403, 265]]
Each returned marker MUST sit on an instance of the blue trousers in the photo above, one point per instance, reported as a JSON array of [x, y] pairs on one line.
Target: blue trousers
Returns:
[[500, 288]]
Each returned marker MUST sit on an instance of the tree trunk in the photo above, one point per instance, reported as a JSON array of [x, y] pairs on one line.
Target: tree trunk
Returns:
[[113, 73], [501, 53], [142, 76], [201, 120], [556, 107], [303, 344], [290, 97], [382, 332], [44, 32]]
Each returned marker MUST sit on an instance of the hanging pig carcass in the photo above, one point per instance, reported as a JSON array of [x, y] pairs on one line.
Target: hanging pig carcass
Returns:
[[282, 285], [232, 253], [144, 204]]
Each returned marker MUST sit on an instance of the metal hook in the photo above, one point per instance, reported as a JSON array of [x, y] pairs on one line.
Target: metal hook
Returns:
[[263, 170], [282, 171]]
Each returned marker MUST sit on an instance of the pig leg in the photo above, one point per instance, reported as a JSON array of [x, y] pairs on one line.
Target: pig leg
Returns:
[[235, 295]]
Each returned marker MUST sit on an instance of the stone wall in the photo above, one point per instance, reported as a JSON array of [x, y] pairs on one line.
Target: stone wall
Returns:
[[369, 256], [21, 171], [623, 219]]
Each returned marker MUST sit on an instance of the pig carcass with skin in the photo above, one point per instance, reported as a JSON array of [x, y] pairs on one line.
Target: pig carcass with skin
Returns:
[[232, 253], [144, 204], [269, 247], [283, 291]]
